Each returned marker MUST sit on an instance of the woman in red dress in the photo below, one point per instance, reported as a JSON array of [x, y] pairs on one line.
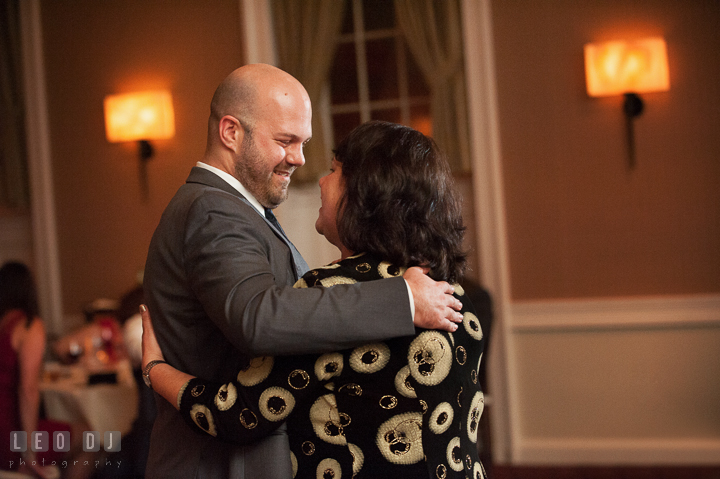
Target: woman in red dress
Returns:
[[22, 346]]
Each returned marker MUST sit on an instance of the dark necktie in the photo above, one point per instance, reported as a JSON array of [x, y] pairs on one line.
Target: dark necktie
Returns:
[[271, 218]]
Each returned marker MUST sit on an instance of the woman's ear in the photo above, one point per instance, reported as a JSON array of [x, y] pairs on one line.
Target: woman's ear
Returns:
[[230, 132]]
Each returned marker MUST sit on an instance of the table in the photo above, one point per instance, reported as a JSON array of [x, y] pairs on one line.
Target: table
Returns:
[[68, 397]]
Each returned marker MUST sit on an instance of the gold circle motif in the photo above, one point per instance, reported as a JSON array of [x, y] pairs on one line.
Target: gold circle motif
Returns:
[[276, 403], [388, 270], [474, 376], [328, 468], [478, 471], [358, 457], [454, 455], [335, 280], [327, 422], [308, 448], [351, 389], [328, 365], [388, 402], [472, 326], [248, 419], [369, 358], [400, 439], [226, 397], [460, 355], [363, 268], [203, 418], [257, 371], [441, 471], [441, 418], [403, 385], [473, 421], [197, 390], [459, 397], [298, 379], [430, 358]]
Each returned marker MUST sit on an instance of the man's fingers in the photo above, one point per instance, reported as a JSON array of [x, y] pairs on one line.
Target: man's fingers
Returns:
[[446, 325]]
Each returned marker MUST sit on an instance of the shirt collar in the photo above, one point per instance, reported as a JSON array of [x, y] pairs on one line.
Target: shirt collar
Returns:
[[232, 181]]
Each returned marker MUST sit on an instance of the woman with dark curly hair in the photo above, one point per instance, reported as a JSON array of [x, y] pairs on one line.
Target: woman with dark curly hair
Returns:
[[408, 407]]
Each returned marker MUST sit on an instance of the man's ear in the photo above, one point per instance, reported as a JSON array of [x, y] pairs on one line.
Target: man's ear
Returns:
[[231, 132]]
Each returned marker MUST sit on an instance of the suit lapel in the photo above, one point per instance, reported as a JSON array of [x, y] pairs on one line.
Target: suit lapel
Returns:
[[206, 177]]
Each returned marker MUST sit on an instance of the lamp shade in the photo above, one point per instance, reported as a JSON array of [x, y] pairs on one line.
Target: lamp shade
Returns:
[[139, 116], [618, 67]]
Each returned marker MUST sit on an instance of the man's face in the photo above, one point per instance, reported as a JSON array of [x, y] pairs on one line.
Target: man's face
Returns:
[[273, 149]]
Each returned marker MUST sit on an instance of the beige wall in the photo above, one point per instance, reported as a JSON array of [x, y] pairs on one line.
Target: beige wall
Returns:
[[579, 222], [93, 49], [611, 380]]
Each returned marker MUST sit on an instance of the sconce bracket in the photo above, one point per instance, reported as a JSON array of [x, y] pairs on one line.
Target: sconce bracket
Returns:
[[145, 150], [633, 105]]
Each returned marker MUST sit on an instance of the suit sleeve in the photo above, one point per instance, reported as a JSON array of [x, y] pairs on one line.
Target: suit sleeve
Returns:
[[228, 258]]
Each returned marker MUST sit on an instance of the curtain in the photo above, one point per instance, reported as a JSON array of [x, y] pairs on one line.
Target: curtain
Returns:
[[14, 189], [306, 34], [434, 35]]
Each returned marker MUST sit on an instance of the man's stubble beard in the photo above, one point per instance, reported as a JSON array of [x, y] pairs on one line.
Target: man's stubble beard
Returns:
[[251, 171]]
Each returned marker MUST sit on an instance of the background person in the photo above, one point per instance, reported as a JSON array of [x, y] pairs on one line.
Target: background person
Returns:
[[22, 348]]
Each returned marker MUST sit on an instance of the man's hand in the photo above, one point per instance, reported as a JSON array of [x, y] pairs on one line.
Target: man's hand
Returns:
[[150, 347], [435, 306]]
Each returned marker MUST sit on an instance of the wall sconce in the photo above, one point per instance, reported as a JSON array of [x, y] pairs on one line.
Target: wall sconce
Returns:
[[628, 68], [140, 117]]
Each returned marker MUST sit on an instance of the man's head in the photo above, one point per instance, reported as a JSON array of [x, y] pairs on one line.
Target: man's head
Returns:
[[260, 120]]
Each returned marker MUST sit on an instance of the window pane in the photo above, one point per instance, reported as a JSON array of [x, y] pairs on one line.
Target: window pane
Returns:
[[343, 87], [378, 14], [382, 69], [343, 123], [416, 78], [420, 119], [347, 25], [391, 115]]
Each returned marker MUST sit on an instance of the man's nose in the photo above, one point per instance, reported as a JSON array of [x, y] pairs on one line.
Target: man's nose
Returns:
[[296, 156]]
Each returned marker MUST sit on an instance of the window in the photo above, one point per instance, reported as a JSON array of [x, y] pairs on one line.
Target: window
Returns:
[[373, 75]]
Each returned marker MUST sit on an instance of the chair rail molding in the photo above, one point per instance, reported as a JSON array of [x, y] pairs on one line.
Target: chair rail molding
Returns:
[[616, 313], [631, 451]]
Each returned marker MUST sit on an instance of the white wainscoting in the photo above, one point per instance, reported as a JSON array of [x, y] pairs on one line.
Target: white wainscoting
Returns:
[[545, 320], [631, 452]]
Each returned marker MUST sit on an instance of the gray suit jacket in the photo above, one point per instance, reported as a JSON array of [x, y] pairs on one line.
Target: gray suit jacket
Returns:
[[218, 283]]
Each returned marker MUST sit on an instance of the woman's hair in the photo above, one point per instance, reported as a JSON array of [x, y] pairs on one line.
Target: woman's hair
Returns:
[[17, 290], [400, 202]]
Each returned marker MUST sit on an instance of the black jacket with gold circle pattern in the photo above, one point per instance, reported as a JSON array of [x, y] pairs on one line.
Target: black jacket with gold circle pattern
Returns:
[[409, 407]]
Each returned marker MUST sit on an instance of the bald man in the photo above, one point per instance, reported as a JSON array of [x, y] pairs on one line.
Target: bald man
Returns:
[[219, 275]]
